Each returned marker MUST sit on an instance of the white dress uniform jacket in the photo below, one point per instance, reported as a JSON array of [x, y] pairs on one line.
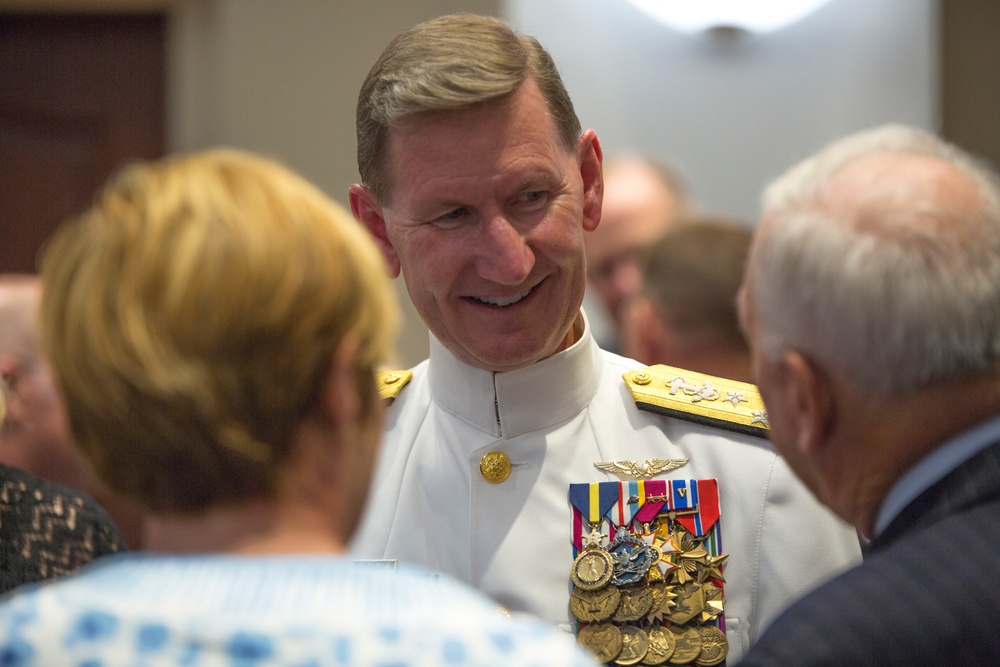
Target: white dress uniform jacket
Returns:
[[429, 503]]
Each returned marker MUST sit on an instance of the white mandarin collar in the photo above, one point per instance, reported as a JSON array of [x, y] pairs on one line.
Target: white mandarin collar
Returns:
[[516, 402]]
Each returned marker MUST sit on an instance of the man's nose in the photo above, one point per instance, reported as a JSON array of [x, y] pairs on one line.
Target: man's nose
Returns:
[[505, 257]]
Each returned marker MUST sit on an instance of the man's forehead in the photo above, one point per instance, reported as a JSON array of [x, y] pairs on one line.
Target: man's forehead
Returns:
[[512, 140]]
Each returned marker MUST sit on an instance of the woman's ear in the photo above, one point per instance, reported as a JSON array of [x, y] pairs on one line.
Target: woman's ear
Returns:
[[340, 400]]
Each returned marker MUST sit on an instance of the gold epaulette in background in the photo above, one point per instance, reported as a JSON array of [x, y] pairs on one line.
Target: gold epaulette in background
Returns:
[[390, 383], [696, 397]]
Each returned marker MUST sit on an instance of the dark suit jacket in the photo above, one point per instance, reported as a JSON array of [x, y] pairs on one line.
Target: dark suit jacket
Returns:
[[928, 592]]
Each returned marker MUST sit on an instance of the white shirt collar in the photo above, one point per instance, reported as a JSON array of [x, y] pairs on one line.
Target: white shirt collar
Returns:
[[513, 403], [933, 468]]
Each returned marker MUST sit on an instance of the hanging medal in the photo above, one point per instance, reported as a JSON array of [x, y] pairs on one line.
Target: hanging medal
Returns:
[[648, 583]]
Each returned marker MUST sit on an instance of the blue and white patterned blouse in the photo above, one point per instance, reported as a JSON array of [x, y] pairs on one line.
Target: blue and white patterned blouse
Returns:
[[238, 611]]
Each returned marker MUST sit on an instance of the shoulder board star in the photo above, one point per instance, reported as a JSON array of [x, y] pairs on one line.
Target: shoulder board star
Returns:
[[696, 397], [390, 383]]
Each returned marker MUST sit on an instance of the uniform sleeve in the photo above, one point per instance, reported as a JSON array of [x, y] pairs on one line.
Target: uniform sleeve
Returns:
[[802, 545]]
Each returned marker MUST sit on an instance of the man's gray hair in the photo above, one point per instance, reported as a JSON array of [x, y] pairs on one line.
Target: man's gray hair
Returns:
[[892, 294]]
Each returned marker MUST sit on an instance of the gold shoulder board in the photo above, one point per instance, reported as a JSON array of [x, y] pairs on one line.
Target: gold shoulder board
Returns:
[[696, 397], [390, 383]]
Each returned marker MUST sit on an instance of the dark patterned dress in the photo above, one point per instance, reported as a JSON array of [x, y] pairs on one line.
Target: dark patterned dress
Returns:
[[48, 530]]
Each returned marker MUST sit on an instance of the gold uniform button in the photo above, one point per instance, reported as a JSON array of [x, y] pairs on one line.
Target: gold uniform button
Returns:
[[642, 378], [495, 467]]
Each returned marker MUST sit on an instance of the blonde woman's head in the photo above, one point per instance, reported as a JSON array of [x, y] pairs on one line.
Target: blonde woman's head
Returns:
[[191, 316]]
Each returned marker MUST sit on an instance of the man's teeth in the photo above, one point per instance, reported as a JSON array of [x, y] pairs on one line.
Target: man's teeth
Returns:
[[502, 300]]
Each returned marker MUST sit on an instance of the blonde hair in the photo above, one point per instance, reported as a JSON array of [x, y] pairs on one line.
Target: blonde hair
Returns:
[[191, 316]]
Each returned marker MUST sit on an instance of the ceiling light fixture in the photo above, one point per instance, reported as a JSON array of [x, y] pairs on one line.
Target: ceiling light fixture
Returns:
[[712, 15]]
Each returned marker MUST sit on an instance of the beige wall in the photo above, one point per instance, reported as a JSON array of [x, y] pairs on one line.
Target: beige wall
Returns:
[[970, 88], [116, 6], [281, 78], [731, 114]]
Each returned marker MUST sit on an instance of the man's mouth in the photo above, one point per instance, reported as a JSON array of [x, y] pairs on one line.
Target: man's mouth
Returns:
[[501, 301]]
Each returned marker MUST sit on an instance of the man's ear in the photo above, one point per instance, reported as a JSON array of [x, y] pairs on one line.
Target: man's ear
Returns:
[[812, 399], [592, 171], [368, 212]]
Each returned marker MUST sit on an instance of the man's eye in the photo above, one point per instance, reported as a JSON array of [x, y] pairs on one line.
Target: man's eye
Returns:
[[533, 196], [456, 214], [452, 218]]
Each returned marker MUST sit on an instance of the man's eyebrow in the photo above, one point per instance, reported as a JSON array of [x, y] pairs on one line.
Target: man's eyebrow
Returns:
[[538, 177]]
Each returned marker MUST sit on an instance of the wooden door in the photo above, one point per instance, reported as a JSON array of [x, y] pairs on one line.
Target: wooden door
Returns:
[[80, 94]]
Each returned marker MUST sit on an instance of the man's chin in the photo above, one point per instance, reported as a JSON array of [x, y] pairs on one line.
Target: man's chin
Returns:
[[506, 357]]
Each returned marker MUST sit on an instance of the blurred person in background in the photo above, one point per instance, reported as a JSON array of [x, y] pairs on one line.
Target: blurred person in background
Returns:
[[643, 198], [686, 313], [47, 530], [34, 437]]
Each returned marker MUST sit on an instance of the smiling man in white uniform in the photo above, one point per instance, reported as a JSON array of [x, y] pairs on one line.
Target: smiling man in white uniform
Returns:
[[479, 184]]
